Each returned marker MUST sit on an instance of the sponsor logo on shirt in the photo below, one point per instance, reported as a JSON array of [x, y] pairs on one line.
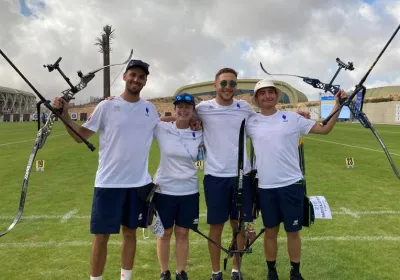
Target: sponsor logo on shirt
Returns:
[[284, 118], [238, 105], [147, 111], [116, 108], [194, 135]]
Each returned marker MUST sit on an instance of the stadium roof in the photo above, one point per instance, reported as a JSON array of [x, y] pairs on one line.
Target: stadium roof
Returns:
[[15, 91], [382, 91]]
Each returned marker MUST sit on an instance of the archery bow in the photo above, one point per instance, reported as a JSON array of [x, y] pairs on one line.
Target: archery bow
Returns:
[[44, 131], [233, 247], [354, 106]]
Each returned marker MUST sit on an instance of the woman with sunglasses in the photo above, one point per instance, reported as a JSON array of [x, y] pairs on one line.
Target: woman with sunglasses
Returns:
[[177, 199]]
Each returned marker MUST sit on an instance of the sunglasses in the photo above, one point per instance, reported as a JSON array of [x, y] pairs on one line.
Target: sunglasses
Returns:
[[224, 83], [185, 98]]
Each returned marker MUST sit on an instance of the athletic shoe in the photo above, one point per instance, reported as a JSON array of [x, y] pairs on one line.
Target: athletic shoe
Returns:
[[182, 276], [216, 276], [272, 274], [236, 276], [166, 275], [295, 276]]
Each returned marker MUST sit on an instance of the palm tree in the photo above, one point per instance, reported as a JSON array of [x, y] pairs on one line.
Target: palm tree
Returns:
[[104, 43]]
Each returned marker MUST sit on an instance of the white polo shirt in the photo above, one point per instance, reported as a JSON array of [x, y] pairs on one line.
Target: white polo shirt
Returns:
[[275, 140], [176, 173], [221, 125], [125, 135]]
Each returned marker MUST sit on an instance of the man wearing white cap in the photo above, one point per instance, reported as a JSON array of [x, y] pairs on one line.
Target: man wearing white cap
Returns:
[[275, 135]]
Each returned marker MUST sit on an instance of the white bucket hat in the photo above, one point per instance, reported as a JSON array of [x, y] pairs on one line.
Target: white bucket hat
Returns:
[[265, 83]]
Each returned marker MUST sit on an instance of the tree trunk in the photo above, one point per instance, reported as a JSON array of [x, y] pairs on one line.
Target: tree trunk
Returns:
[[106, 61]]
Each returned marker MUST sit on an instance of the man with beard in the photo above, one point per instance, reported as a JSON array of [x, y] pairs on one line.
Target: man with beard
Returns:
[[221, 118], [125, 125], [275, 135]]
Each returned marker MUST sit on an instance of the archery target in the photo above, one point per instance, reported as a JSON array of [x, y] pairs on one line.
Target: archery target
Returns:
[[74, 116]]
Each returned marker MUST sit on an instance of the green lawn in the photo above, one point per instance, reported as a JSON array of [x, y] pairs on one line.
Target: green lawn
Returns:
[[52, 240]]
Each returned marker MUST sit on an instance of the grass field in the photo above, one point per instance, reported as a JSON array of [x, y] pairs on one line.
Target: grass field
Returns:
[[52, 240]]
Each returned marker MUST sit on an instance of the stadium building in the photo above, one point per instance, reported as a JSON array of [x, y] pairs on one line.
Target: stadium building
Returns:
[[245, 90], [16, 105]]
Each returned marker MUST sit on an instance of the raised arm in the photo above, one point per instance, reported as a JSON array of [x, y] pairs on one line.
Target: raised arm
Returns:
[[86, 133]]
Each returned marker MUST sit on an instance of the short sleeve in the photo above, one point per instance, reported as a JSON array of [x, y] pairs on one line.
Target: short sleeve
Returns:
[[96, 119], [249, 128], [304, 124], [199, 110], [158, 130]]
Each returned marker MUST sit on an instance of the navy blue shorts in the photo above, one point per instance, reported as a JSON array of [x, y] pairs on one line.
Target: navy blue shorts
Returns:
[[113, 207], [182, 210], [283, 204], [221, 201]]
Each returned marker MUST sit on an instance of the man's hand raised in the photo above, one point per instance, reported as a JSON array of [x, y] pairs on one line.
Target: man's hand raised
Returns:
[[61, 103]]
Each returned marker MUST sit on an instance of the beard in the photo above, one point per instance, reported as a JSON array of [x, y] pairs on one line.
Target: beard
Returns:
[[225, 95], [134, 90]]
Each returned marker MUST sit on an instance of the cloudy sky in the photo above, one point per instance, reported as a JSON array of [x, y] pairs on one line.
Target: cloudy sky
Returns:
[[188, 41]]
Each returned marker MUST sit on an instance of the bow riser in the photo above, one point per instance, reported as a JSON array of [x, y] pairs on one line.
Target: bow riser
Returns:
[[320, 85]]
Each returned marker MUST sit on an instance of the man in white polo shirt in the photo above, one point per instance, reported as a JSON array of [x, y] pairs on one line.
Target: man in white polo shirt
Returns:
[[125, 125], [275, 135], [221, 118]]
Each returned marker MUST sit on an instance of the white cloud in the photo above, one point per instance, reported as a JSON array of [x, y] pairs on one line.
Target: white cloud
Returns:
[[188, 41]]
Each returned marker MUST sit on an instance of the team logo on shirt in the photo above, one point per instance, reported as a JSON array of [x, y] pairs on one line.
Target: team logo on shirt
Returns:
[[238, 105], [194, 135], [147, 111], [284, 118]]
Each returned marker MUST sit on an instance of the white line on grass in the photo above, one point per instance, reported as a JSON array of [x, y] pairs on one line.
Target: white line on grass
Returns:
[[344, 211], [43, 217], [362, 213], [349, 212], [352, 146], [22, 141], [80, 243], [69, 215]]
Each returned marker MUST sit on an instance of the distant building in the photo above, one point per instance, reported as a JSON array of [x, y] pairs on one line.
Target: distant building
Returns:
[[16, 105]]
